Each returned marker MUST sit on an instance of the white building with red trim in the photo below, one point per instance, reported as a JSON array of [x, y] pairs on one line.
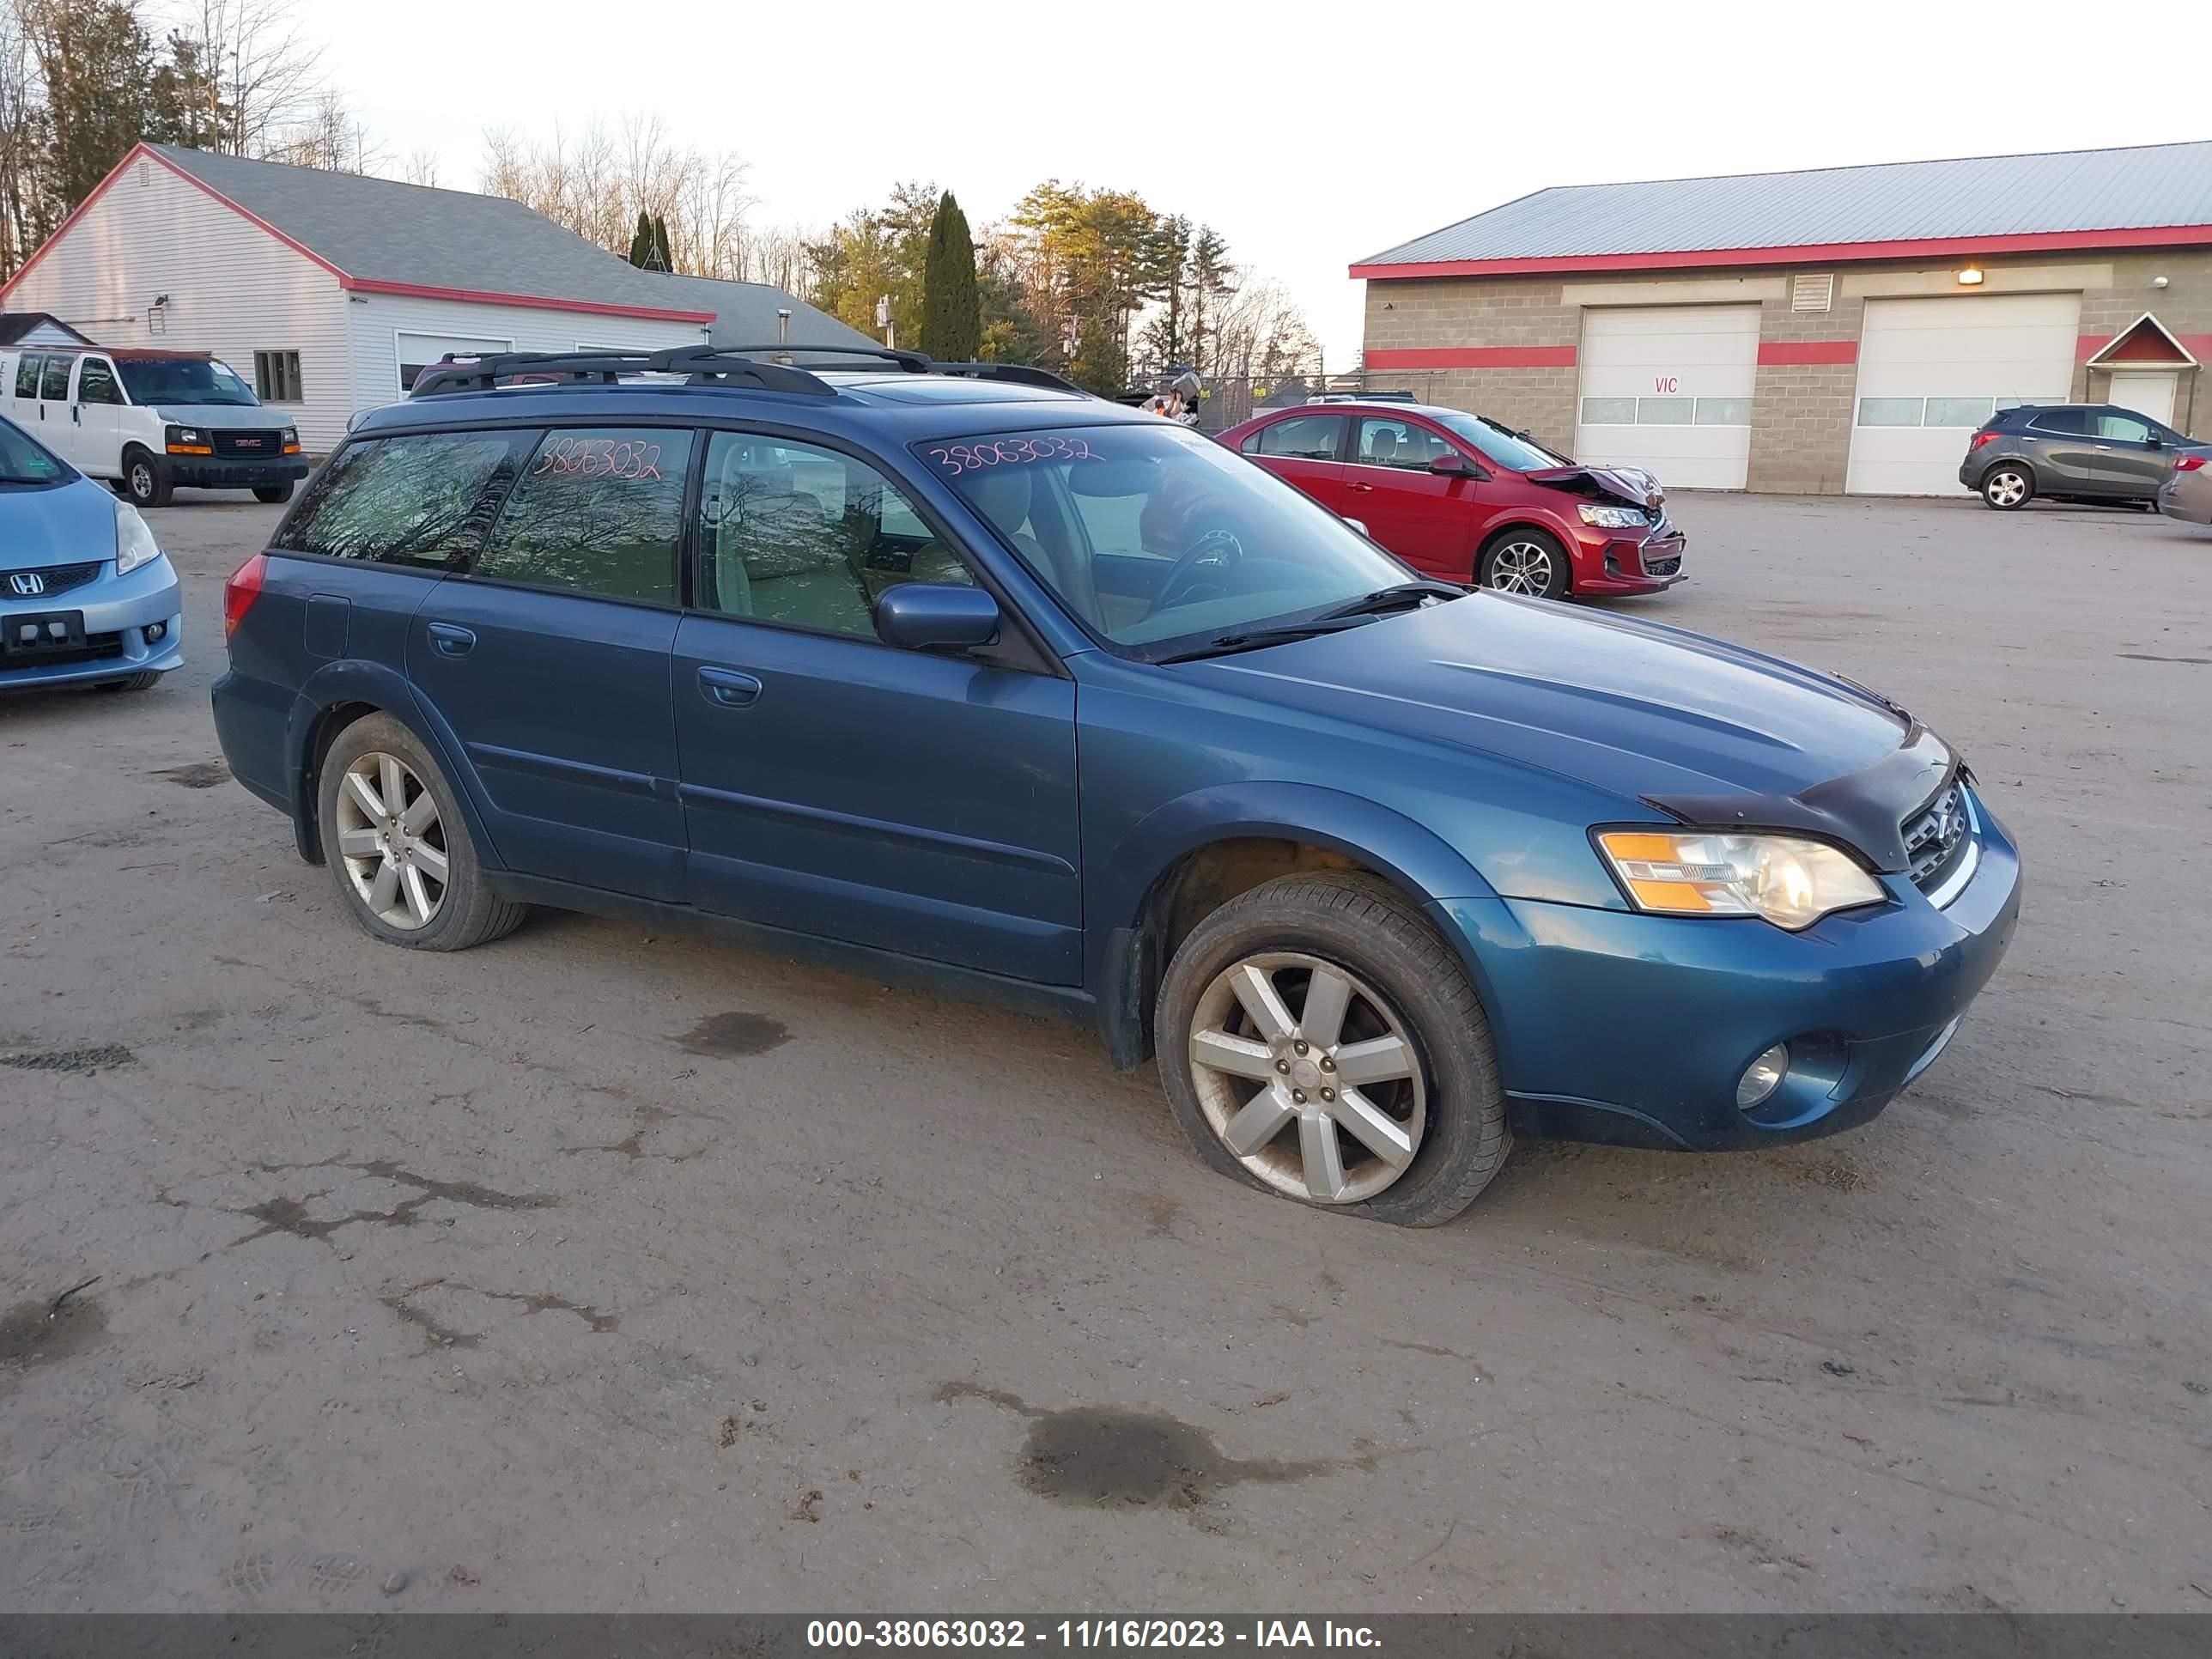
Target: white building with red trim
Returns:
[[1844, 328], [328, 290]]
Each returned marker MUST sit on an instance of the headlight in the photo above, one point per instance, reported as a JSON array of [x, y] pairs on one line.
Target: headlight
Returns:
[[134, 540], [1792, 883], [1612, 518], [187, 440]]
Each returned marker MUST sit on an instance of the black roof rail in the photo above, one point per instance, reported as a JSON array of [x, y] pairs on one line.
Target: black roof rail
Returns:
[[919, 363], [703, 363]]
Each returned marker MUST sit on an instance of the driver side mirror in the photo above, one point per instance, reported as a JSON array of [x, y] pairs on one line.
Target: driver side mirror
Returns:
[[936, 616], [1450, 465]]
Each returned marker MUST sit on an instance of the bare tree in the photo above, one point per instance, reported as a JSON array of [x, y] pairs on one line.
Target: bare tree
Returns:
[[332, 137], [23, 222], [261, 80], [777, 256], [421, 167]]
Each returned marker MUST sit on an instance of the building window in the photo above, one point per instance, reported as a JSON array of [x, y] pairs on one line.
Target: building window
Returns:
[[1608, 412], [277, 377], [1958, 411], [1890, 411], [1665, 411], [1724, 411]]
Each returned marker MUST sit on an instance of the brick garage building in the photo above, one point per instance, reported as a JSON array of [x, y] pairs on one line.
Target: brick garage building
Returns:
[[1821, 332]]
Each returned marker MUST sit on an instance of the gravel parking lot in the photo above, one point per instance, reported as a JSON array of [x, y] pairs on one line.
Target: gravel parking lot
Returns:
[[602, 1270]]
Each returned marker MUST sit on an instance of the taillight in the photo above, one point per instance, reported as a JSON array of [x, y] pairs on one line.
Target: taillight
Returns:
[[2189, 463], [1981, 438], [239, 593]]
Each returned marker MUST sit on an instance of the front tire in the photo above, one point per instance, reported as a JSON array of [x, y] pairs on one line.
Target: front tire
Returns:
[[146, 479], [1319, 1040], [393, 836], [134, 683], [1523, 561], [274, 494], [2007, 487]]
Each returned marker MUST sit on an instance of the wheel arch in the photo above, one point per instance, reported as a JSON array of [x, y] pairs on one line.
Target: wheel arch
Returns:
[[2019, 463], [1522, 518], [336, 695], [1196, 853]]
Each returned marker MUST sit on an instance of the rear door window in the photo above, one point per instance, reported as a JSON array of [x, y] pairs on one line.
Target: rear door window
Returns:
[[597, 510], [53, 385], [1300, 438], [27, 367], [423, 499], [2065, 422]]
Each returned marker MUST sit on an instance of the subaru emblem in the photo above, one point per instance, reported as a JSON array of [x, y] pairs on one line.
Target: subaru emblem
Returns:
[[29, 583]]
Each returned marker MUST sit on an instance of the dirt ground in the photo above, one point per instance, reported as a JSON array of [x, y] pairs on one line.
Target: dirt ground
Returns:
[[604, 1270]]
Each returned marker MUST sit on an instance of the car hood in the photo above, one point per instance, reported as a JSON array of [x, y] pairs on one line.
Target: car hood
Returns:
[[1711, 732], [70, 524], [225, 417], [1631, 484]]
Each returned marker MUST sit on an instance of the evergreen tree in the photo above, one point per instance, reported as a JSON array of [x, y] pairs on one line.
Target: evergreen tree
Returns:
[[641, 244], [952, 313]]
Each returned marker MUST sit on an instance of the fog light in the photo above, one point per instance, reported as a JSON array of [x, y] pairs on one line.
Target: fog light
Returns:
[[155, 631], [1762, 1077]]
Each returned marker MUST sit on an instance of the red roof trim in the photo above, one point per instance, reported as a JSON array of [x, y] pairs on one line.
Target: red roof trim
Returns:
[[361, 285], [1541, 357], [417, 291], [1784, 352], [1926, 247]]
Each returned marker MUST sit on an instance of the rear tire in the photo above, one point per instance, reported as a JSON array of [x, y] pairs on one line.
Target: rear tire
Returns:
[[146, 479], [1400, 993], [444, 903], [274, 494], [1524, 560], [2007, 487]]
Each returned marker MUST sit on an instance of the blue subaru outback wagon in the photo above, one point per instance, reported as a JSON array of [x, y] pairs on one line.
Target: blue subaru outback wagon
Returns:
[[949, 673]]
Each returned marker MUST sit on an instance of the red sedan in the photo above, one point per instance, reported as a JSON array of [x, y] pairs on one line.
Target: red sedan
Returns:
[[1462, 498]]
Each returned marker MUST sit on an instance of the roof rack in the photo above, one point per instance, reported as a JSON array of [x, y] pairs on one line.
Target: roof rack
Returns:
[[704, 364], [919, 363], [707, 365]]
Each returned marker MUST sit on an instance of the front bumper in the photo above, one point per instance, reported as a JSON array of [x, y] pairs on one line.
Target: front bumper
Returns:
[[1632, 1029], [1606, 561], [198, 472], [117, 611]]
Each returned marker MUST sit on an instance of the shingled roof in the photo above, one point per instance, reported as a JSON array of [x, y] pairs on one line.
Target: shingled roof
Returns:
[[2156, 195], [378, 234]]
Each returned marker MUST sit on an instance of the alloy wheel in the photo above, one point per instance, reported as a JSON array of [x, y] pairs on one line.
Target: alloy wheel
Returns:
[[1522, 568], [2007, 489], [1309, 1076], [393, 841], [142, 481]]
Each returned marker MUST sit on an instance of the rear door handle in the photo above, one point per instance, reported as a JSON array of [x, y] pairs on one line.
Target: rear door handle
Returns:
[[451, 640], [1363, 489], [727, 687]]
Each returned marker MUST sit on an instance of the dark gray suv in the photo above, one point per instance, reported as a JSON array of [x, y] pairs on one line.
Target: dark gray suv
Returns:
[[2072, 451]]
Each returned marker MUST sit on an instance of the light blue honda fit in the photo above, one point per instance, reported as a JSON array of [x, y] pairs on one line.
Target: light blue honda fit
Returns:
[[87, 595]]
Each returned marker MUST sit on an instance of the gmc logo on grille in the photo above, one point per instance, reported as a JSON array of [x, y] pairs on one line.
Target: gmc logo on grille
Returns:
[[246, 443], [29, 583]]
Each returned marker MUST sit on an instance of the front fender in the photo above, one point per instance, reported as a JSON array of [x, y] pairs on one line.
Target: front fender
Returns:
[[353, 681], [1121, 968]]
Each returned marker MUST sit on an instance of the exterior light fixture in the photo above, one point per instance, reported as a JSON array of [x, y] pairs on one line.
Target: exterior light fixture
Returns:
[[1971, 276]]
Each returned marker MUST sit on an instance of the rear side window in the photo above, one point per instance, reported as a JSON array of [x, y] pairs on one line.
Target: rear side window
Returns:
[[55, 383], [1300, 438], [27, 374], [423, 499], [598, 510]]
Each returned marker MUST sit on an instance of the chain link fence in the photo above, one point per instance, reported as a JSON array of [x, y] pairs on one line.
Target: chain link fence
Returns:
[[1228, 400]]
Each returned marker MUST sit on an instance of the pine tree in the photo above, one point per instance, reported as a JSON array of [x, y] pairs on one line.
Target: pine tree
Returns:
[[662, 260], [641, 244], [952, 313]]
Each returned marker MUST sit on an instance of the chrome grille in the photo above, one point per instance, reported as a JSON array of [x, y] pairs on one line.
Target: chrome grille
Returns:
[[1939, 836]]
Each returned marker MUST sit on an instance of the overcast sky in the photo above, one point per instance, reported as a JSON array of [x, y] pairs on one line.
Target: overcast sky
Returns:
[[1308, 136]]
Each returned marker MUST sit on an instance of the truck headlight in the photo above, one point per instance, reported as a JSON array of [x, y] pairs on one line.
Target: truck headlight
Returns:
[[134, 540], [1789, 881], [1612, 518]]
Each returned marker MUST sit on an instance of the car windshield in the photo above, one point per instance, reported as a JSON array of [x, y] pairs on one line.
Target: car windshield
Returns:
[[1155, 536], [182, 380], [1501, 444], [25, 462]]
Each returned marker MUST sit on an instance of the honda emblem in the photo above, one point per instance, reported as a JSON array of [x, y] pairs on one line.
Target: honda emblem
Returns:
[[29, 583]]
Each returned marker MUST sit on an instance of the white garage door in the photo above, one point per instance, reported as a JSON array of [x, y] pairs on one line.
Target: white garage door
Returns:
[[419, 351], [1668, 388], [1930, 371]]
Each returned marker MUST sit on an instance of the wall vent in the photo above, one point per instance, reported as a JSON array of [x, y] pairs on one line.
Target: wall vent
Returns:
[[1812, 293]]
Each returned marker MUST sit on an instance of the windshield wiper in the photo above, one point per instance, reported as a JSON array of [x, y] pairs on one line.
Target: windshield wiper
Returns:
[[1390, 599], [1253, 639]]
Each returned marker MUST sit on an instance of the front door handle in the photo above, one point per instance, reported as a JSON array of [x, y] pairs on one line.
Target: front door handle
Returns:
[[727, 687], [76, 414], [451, 640], [1363, 489]]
